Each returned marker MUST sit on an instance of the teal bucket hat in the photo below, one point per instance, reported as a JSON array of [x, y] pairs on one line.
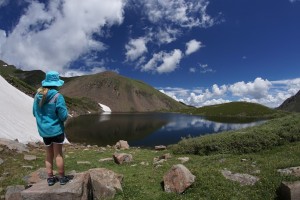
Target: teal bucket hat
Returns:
[[52, 79]]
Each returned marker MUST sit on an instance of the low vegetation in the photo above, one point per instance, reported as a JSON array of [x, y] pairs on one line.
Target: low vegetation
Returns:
[[273, 133], [258, 151]]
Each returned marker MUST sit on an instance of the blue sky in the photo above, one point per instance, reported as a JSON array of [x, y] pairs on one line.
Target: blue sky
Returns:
[[200, 52]]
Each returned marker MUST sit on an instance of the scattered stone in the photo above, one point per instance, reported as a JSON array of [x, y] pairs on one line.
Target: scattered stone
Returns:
[[294, 171], [158, 162], [1, 161], [121, 158], [144, 163], [1, 149], [106, 159], [83, 162], [14, 145], [29, 157], [105, 183], [27, 166], [243, 179], [122, 144], [256, 171], [79, 187], [165, 156], [183, 159], [14, 192], [178, 179], [222, 160], [160, 147], [133, 165], [244, 160], [289, 190], [33, 144]]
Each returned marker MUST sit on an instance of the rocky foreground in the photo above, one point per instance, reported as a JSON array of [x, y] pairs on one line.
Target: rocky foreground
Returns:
[[104, 183]]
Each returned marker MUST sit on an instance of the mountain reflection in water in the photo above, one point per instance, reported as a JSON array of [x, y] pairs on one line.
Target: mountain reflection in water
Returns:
[[143, 129]]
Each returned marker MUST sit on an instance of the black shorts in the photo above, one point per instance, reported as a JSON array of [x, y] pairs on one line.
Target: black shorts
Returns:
[[59, 139]]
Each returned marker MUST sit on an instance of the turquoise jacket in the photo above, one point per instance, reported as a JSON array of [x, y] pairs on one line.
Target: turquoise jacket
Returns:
[[51, 116]]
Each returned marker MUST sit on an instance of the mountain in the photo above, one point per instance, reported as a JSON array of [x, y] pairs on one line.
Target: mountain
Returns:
[[291, 104], [120, 93], [83, 93]]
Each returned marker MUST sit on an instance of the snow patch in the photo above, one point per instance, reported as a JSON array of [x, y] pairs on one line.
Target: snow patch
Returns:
[[16, 118], [105, 108]]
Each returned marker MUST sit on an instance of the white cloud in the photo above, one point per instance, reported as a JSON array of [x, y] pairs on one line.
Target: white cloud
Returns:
[[293, 1], [3, 3], [136, 48], [52, 36], [192, 46], [181, 12], [268, 93], [166, 35], [163, 62], [257, 89], [79, 72]]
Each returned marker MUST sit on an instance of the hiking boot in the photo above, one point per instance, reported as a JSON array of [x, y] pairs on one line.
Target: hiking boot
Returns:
[[63, 180], [51, 180]]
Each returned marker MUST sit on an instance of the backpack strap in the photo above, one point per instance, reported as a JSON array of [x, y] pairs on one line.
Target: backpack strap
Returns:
[[53, 100]]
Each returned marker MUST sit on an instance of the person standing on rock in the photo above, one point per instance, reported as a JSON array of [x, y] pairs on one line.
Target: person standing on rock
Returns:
[[50, 111]]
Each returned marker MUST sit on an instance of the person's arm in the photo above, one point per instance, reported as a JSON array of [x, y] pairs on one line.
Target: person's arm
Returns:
[[34, 106], [61, 108]]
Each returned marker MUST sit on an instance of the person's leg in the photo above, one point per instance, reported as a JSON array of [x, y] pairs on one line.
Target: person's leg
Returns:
[[58, 155], [49, 160]]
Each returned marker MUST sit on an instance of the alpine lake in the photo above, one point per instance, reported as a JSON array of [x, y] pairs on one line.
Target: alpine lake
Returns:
[[147, 129]]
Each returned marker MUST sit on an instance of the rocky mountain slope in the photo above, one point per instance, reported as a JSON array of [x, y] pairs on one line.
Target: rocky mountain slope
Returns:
[[292, 104], [83, 93], [120, 93]]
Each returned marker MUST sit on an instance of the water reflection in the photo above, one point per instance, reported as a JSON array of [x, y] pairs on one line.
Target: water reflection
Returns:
[[143, 129]]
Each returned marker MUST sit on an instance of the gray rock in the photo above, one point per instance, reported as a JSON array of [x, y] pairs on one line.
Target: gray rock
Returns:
[[29, 157], [121, 158], [243, 179], [36, 176], [289, 190], [122, 144], [106, 159], [14, 192], [183, 159], [1, 161], [105, 183], [83, 162], [178, 179], [294, 171], [79, 188], [160, 147], [14, 145]]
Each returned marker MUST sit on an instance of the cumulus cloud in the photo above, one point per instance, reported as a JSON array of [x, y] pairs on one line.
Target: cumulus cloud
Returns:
[[262, 91], [163, 62], [192, 46], [257, 89], [54, 35], [136, 48]]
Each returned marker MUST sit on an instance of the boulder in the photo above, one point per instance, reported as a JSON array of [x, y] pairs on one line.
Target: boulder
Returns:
[[79, 188], [183, 159], [36, 176], [243, 179], [105, 183], [14, 192], [122, 144], [178, 179], [121, 158], [289, 190]]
